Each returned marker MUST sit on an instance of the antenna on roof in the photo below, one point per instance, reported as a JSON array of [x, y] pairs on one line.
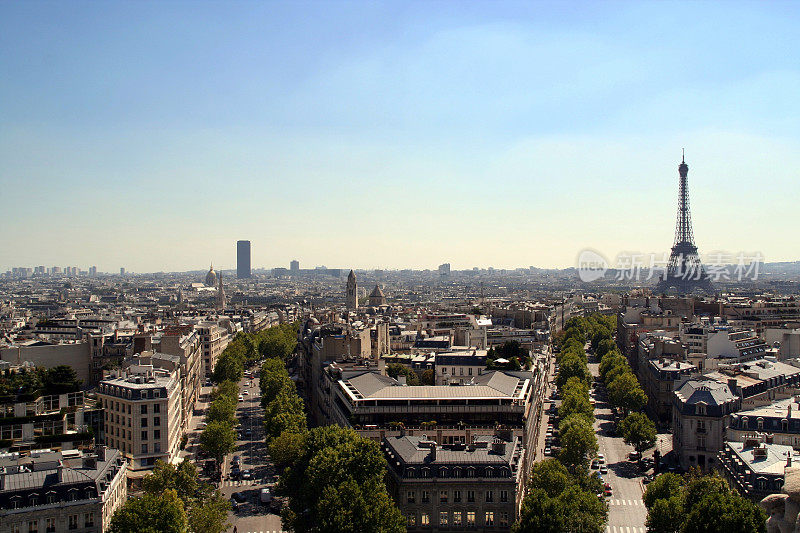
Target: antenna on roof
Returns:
[[683, 156]]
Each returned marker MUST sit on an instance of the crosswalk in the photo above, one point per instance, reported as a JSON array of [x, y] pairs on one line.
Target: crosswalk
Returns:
[[632, 503], [237, 483], [626, 529]]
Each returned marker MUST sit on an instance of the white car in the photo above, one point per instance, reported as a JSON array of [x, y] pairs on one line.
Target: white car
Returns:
[[245, 392], [241, 398], [601, 458]]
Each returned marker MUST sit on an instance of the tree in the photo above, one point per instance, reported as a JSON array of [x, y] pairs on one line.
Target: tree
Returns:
[[551, 476], [340, 473], [151, 513], [665, 515], [61, 379], [218, 439], [286, 448], [605, 346], [223, 409], [540, 513], [625, 392], [663, 487], [725, 513], [393, 370], [578, 442], [227, 389], [206, 508], [572, 366], [428, 377], [638, 431], [228, 368]]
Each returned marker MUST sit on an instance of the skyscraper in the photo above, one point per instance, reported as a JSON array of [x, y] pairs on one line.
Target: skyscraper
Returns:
[[242, 259], [294, 266]]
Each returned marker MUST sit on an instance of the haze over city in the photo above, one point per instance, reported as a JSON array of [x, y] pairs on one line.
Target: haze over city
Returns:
[[392, 135]]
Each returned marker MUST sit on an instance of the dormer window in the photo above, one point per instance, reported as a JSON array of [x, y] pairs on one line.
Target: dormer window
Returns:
[[760, 422]]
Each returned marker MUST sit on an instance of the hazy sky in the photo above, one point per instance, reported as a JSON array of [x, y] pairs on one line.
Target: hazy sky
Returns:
[[153, 135]]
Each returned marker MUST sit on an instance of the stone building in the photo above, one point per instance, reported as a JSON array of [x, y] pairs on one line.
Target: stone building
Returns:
[[461, 486], [143, 415], [351, 299], [55, 492], [376, 297]]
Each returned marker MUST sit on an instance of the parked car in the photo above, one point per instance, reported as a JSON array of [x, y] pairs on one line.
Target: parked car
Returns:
[[241, 398], [248, 433], [601, 458], [246, 392], [266, 496], [247, 474], [634, 455], [603, 469], [595, 464], [548, 451]]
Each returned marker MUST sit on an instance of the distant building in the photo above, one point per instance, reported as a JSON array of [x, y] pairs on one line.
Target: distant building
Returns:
[[242, 259], [294, 266], [352, 291], [444, 270], [376, 297], [211, 277], [55, 492], [121, 270], [444, 488]]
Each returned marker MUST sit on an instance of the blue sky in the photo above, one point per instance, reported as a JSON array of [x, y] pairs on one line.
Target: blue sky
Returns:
[[153, 135]]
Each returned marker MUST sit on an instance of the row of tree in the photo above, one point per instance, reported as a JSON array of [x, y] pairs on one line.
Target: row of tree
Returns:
[[333, 478], [218, 438], [247, 348], [174, 500], [699, 504], [624, 392], [561, 495]]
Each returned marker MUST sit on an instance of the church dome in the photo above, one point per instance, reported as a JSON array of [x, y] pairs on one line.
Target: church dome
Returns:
[[211, 277]]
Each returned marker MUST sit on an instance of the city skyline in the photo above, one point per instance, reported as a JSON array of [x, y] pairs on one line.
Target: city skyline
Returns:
[[479, 135]]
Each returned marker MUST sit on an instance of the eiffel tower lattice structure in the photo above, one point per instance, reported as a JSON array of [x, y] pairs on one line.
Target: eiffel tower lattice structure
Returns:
[[685, 273]]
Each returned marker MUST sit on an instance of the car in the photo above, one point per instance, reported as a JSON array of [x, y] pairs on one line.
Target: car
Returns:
[[248, 433], [647, 479], [634, 455], [608, 493], [603, 469], [548, 451], [247, 474], [235, 472], [595, 465], [238, 497], [601, 458], [241, 398], [265, 496], [202, 425], [236, 460], [246, 392]]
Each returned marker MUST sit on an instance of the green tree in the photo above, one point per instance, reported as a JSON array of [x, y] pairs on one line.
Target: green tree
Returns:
[[223, 409], [151, 513], [393, 370], [578, 442], [210, 515], [605, 346], [218, 439], [638, 431], [626, 393], [227, 389], [665, 515], [540, 513], [228, 368], [572, 366], [61, 379], [338, 460], [663, 487], [725, 513], [286, 448]]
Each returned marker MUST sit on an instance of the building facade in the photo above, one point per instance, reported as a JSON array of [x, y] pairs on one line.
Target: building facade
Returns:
[[242, 259]]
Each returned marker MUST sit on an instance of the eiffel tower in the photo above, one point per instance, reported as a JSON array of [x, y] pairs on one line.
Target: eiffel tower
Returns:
[[685, 273]]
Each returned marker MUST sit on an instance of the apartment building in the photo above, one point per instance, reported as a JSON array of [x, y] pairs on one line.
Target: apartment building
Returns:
[[143, 414], [756, 468], [472, 486], [459, 367], [213, 339], [55, 492]]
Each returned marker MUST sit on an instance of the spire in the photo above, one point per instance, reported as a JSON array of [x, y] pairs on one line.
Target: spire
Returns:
[[683, 155]]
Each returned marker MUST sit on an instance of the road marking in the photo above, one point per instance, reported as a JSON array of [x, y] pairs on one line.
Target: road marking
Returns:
[[630, 502]]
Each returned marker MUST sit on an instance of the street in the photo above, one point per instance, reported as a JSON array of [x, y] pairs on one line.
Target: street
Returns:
[[251, 516], [626, 510]]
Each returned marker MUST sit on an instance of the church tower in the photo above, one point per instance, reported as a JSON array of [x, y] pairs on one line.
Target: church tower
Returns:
[[220, 296], [352, 291]]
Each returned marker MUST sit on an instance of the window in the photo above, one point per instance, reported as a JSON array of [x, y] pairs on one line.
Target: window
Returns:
[[443, 518], [470, 518], [470, 496], [33, 526], [503, 496], [33, 500], [73, 521], [488, 472], [156, 407], [425, 521], [489, 495], [412, 520], [443, 496], [156, 394], [144, 435], [51, 497], [144, 422], [144, 409], [457, 518], [156, 421], [425, 496], [144, 448], [411, 497], [470, 371], [50, 525], [88, 520], [457, 496], [444, 370], [504, 519], [489, 518], [156, 433]]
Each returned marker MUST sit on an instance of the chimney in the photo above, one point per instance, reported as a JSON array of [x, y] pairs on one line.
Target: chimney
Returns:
[[432, 452], [788, 459], [498, 446], [401, 379], [60, 472]]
